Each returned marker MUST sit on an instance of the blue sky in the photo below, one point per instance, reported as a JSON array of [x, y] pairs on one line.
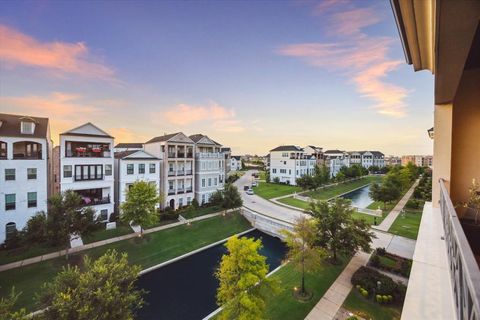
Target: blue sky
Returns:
[[251, 75]]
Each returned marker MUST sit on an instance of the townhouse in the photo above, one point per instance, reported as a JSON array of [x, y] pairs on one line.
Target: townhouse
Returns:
[[209, 167], [227, 152], [335, 160], [86, 164], [25, 152], [132, 166], [288, 163], [176, 154], [235, 163]]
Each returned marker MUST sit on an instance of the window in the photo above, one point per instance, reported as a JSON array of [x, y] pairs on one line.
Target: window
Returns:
[[32, 173], [108, 169], [209, 182], [215, 181], [141, 168], [88, 172], [27, 127], [9, 202], [203, 199], [67, 171], [3, 150], [203, 183], [180, 202], [152, 168], [32, 199], [9, 174], [103, 214], [274, 170], [189, 200], [10, 229], [130, 168]]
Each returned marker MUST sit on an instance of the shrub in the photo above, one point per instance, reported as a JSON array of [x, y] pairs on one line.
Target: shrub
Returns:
[[390, 298], [15, 240], [367, 278], [276, 180], [413, 204], [195, 203], [405, 267], [379, 298], [352, 318], [36, 229], [375, 260], [381, 251], [364, 292], [114, 217], [358, 287]]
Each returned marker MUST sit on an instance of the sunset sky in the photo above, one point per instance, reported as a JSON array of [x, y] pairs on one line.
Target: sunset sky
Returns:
[[252, 75]]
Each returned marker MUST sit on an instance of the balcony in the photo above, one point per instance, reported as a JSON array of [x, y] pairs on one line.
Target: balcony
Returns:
[[180, 172], [181, 155], [171, 173], [180, 190], [171, 192], [189, 155], [209, 155], [188, 189], [188, 172], [172, 154], [75, 149], [26, 150], [93, 197]]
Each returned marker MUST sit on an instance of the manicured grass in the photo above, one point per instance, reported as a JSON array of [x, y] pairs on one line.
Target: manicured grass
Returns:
[[99, 235], [333, 191], [273, 190], [295, 202], [262, 175], [285, 306], [368, 309], [385, 208], [368, 218], [8, 256], [189, 214], [155, 248], [407, 224], [387, 261]]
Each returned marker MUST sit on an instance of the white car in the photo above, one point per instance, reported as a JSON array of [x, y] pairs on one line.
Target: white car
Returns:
[[249, 191], [254, 184]]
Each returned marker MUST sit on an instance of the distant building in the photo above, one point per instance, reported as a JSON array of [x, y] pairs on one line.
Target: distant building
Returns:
[[288, 163], [418, 160], [236, 163], [393, 161], [120, 147]]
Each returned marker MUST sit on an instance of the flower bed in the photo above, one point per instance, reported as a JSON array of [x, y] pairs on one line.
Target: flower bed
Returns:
[[389, 262]]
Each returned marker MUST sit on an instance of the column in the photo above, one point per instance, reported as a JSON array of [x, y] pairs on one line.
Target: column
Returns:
[[442, 149]]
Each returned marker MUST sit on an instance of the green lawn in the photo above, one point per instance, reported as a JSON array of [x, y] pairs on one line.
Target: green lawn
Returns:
[[273, 190], [99, 235], [295, 202], [368, 218], [333, 191], [285, 306], [408, 225], [156, 248], [200, 212], [387, 261], [25, 253], [368, 309]]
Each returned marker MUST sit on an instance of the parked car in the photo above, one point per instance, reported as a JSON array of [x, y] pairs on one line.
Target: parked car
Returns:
[[254, 184], [245, 188], [249, 191]]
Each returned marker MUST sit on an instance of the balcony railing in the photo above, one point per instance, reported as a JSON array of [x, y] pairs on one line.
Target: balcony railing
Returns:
[[181, 155], [214, 155], [189, 155], [180, 172], [188, 172], [26, 156], [188, 189], [171, 191], [464, 271], [95, 202], [172, 155], [180, 190], [171, 173]]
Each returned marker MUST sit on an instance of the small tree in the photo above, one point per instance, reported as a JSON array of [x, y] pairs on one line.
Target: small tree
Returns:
[[195, 203], [6, 307], [338, 231], [216, 198], [302, 252], [244, 285], [340, 177], [139, 206], [231, 198], [104, 289], [36, 228], [306, 182]]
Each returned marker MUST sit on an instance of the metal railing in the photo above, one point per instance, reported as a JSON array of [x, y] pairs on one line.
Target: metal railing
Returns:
[[188, 172], [464, 271], [171, 191], [171, 173]]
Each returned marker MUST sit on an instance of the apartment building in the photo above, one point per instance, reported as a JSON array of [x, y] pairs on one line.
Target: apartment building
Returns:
[[25, 152], [86, 164], [335, 160], [131, 166], [235, 163], [209, 167], [418, 160], [317, 152], [176, 152], [393, 161], [287, 163]]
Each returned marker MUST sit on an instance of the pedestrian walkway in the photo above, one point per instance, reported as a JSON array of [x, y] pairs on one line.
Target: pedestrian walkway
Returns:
[[388, 221], [77, 249]]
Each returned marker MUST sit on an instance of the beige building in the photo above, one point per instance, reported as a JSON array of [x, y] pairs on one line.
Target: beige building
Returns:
[[444, 37], [418, 160]]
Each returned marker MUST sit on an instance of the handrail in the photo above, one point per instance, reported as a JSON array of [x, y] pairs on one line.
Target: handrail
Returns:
[[464, 271]]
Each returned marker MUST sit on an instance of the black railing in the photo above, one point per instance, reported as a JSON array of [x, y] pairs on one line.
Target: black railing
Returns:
[[32, 156], [172, 155], [171, 191], [464, 271], [181, 155], [189, 155]]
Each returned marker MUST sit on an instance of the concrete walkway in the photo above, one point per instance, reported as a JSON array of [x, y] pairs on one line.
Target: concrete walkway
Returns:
[[77, 249], [392, 216]]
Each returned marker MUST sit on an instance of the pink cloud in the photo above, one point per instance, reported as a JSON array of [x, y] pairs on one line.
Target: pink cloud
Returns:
[[361, 58], [184, 114], [18, 49]]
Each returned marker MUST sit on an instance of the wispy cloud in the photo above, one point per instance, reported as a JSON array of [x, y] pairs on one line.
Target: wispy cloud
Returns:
[[219, 117], [363, 59], [19, 49]]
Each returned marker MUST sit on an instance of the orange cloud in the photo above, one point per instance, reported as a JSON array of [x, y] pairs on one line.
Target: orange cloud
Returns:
[[126, 135], [184, 114], [362, 58], [18, 49]]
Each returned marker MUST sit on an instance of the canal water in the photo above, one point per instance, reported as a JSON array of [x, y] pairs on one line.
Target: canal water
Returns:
[[359, 197], [186, 289]]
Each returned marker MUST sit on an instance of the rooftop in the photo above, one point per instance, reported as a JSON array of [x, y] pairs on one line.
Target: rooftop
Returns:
[[10, 126]]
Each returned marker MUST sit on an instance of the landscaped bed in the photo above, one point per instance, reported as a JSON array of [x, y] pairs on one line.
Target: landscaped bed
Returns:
[[368, 309], [156, 248], [383, 260]]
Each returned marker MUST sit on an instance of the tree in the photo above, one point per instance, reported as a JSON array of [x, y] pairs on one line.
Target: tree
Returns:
[[340, 177], [244, 285], [66, 216], [337, 230], [302, 252], [267, 176], [231, 198], [140, 205], [103, 289], [216, 198], [6, 307], [376, 193], [36, 228], [306, 182]]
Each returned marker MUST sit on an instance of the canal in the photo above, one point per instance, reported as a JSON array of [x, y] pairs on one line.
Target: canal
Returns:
[[359, 197], [186, 289]]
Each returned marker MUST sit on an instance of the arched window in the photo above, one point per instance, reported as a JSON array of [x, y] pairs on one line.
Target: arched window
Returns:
[[10, 229], [3, 150]]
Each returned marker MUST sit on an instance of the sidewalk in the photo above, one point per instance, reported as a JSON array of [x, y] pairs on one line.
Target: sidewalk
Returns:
[[56, 254]]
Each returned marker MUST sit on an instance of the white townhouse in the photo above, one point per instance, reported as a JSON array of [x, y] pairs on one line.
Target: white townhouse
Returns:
[[227, 152], [177, 167], [25, 151], [133, 146], [378, 159], [209, 167], [287, 163], [86, 165], [235, 163], [335, 160], [131, 166], [367, 158]]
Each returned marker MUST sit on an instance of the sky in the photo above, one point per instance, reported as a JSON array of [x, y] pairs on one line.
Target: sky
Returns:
[[251, 75]]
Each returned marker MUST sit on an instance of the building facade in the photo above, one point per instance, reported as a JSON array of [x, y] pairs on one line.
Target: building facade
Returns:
[[134, 146], [227, 155], [86, 165], [288, 163], [235, 163], [209, 167], [25, 170], [176, 152], [132, 166]]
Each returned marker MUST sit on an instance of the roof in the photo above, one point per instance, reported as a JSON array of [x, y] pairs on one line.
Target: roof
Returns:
[[10, 126], [237, 157], [129, 145], [224, 149], [287, 148], [96, 132], [128, 155], [197, 137], [165, 137], [333, 151], [377, 153]]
